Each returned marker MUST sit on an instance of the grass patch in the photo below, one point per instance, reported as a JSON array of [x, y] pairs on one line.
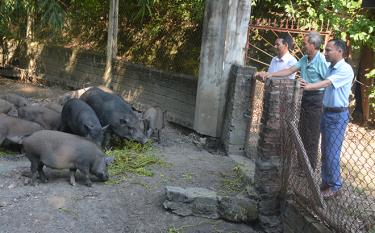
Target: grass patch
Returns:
[[131, 157], [4, 152], [187, 176], [234, 183]]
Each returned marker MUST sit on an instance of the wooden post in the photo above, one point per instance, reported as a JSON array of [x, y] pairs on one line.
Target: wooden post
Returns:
[[31, 69], [111, 42]]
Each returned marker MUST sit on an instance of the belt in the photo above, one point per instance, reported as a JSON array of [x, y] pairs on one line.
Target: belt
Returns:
[[335, 109], [314, 92]]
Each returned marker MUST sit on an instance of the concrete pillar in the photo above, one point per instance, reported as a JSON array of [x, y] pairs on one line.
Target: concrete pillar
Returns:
[[236, 120], [223, 44]]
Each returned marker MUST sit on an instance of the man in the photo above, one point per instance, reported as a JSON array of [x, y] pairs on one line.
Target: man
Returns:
[[335, 117], [283, 59], [313, 67]]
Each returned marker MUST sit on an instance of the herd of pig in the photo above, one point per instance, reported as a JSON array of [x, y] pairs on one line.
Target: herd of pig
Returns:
[[71, 134]]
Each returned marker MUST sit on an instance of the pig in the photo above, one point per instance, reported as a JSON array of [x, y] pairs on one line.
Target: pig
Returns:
[[72, 94], [12, 127], [114, 111], [154, 119], [54, 106], [5, 106], [77, 93], [78, 118], [15, 99], [46, 117], [59, 150]]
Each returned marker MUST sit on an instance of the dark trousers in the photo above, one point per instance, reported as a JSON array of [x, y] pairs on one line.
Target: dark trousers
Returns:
[[309, 124]]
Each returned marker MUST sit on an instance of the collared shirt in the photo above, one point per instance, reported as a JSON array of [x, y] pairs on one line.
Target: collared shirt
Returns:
[[341, 75], [313, 71], [284, 62]]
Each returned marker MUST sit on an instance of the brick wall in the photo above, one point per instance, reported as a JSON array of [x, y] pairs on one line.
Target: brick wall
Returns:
[[141, 86], [268, 168]]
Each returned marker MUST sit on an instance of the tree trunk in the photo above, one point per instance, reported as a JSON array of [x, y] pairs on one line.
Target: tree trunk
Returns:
[[112, 41], [2, 50], [365, 65]]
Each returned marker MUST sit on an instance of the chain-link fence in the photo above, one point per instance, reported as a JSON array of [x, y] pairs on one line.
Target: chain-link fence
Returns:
[[332, 174]]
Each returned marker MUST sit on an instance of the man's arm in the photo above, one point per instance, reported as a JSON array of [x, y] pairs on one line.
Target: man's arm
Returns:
[[314, 86], [282, 73]]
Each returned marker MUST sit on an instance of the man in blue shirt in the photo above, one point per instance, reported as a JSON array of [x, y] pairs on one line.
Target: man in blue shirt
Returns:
[[335, 118], [313, 67]]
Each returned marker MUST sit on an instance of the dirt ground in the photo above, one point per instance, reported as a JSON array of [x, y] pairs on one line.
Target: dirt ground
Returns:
[[135, 205]]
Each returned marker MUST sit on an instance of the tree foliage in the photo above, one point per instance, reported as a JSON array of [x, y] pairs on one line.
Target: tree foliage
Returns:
[[162, 33], [345, 17]]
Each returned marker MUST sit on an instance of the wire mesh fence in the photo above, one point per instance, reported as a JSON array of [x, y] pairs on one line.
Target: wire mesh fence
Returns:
[[333, 177], [255, 116]]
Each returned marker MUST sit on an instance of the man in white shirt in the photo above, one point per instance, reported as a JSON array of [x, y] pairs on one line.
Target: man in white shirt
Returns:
[[283, 59]]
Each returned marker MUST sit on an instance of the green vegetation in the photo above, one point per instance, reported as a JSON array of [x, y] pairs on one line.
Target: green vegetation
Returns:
[[132, 157], [163, 34], [158, 33], [371, 74], [347, 20], [233, 183], [4, 153], [188, 176], [172, 229]]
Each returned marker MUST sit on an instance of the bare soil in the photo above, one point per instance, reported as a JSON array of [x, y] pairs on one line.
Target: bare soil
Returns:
[[134, 205]]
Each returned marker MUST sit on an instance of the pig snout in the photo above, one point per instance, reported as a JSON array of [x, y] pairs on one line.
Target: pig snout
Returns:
[[103, 177], [140, 137], [144, 140]]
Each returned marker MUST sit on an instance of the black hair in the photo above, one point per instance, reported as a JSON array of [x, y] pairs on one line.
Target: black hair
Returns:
[[286, 39], [340, 44]]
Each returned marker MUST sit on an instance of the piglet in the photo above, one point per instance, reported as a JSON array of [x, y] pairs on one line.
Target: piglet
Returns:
[[154, 121]]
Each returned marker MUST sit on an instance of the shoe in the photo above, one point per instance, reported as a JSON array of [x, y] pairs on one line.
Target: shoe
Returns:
[[329, 193]]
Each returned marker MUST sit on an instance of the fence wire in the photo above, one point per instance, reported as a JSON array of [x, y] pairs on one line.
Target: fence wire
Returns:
[[349, 165], [255, 116]]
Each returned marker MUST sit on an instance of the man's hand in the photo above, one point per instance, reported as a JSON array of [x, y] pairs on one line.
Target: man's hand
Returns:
[[305, 85], [260, 75], [268, 75]]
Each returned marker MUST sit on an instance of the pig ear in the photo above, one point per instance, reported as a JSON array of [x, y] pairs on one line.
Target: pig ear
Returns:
[[109, 160], [124, 121], [88, 127], [105, 127]]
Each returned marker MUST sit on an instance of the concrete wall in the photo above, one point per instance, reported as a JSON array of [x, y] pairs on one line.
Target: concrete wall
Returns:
[[236, 123], [139, 85]]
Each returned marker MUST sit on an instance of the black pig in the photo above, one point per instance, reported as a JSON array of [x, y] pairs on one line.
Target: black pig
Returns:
[[61, 150], [112, 110], [79, 118]]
